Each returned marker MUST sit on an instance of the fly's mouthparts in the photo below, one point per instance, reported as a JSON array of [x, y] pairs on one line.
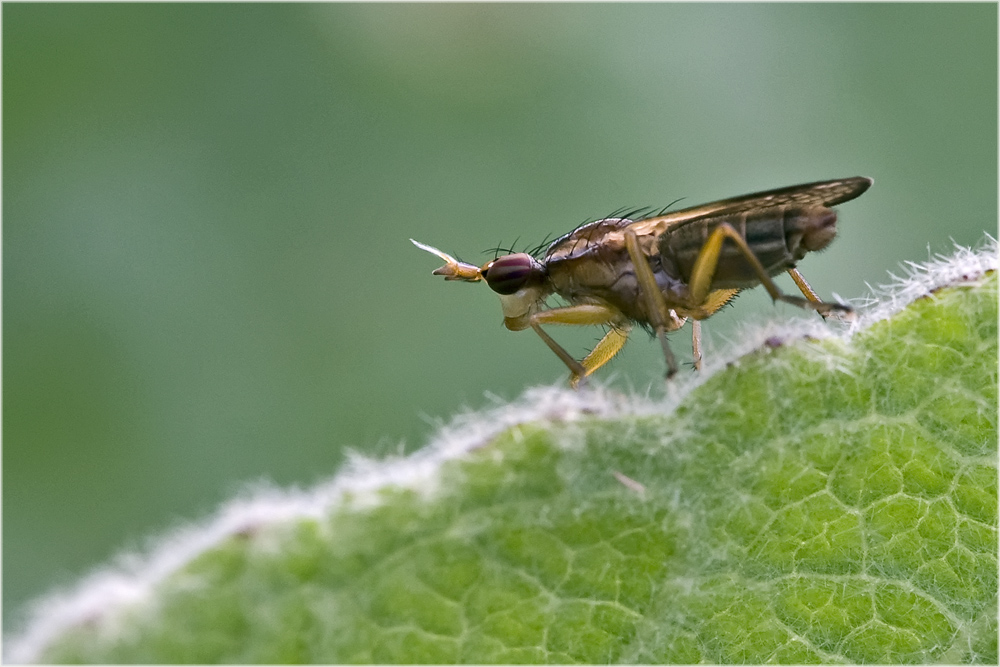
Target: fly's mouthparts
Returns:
[[453, 269]]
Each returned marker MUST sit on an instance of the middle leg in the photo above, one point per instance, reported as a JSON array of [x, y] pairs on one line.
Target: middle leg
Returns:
[[662, 318]]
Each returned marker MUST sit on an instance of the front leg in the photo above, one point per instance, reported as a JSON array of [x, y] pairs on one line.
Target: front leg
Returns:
[[603, 352], [584, 314]]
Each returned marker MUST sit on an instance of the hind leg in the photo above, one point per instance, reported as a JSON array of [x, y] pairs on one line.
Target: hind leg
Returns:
[[704, 268]]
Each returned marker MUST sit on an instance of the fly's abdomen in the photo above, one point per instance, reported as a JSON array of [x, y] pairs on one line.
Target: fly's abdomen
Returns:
[[778, 237]]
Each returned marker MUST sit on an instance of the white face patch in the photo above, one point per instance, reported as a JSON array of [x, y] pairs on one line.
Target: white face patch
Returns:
[[519, 306]]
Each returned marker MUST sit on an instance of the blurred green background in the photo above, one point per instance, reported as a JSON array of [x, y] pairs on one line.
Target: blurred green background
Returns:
[[206, 274]]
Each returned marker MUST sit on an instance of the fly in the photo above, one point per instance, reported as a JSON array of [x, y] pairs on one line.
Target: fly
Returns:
[[659, 272]]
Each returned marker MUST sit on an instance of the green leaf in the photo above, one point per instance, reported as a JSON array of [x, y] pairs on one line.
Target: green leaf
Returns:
[[818, 500]]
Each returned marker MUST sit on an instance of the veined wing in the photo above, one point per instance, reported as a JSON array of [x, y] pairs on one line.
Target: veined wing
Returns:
[[821, 193]]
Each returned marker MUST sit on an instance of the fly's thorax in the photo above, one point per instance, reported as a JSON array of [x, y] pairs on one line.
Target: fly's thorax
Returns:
[[779, 237], [582, 274], [606, 276], [589, 261]]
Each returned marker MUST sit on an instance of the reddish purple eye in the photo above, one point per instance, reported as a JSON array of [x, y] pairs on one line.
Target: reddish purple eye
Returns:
[[510, 273]]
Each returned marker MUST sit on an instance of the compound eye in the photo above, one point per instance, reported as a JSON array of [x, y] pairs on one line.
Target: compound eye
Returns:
[[510, 273]]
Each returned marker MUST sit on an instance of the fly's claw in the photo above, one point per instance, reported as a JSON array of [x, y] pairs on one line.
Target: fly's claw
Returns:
[[834, 310]]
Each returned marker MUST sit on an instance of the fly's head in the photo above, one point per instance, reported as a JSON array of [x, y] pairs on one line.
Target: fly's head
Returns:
[[519, 279], [521, 282]]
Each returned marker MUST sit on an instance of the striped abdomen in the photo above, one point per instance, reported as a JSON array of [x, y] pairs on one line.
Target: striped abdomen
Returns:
[[779, 237]]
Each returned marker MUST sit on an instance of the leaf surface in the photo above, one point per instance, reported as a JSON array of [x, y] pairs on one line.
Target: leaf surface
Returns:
[[825, 501]]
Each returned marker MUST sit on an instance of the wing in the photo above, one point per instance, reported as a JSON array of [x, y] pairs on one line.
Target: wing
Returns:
[[821, 193]]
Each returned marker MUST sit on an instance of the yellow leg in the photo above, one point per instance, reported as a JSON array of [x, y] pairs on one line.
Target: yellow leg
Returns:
[[575, 367], [808, 292], [583, 314], [661, 317], [708, 259], [603, 352], [696, 343], [803, 286]]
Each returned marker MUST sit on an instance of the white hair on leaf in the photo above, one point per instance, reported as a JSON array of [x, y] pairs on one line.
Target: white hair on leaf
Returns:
[[103, 598]]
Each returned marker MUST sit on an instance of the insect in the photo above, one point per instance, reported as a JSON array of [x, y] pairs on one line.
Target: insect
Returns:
[[660, 271]]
